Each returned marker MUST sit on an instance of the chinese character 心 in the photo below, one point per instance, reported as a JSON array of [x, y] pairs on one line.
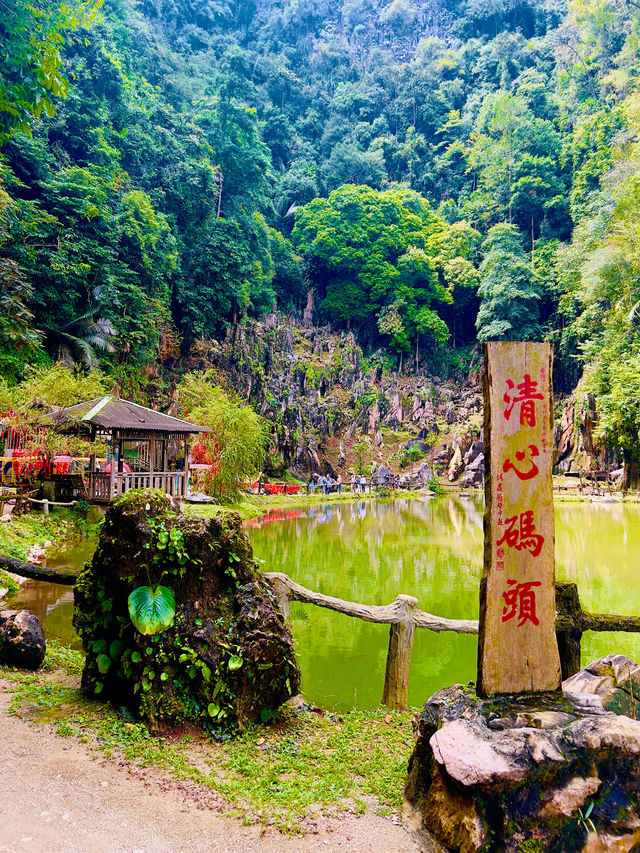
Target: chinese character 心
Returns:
[[521, 455]]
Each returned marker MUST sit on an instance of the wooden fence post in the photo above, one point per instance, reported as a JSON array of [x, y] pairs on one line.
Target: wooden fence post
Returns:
[[568, 627], [395, 694]]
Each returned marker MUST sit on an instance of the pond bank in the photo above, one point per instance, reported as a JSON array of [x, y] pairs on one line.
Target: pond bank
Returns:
[[254, 506]]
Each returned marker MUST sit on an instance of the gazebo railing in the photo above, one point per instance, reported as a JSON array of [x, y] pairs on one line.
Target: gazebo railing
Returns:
[[100, 486]]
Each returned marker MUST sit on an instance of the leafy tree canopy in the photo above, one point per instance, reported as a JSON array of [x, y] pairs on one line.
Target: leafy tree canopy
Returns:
[[32, 41], [508, 290], [382, 255]]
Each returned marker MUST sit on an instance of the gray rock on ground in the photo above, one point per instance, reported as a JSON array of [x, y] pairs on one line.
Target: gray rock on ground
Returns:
[[22, 640]]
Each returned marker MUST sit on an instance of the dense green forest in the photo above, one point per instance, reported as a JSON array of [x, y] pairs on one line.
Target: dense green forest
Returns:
[[434, 171]]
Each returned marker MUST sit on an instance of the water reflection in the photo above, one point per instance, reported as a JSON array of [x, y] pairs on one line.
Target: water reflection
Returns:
[[369, 552], [53, 603], [432, 549]]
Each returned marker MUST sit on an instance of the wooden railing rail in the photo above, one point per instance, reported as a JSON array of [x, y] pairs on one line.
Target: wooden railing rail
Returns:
[[572, 621], [404, 616]]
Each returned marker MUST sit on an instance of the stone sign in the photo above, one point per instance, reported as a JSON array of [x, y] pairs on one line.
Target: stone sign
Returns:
[[517, 649]]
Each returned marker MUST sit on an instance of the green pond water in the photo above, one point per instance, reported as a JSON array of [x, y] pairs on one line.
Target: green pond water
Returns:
[[429, 548]]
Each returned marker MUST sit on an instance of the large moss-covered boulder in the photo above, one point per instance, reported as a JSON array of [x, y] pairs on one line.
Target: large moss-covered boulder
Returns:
[[538, 772], [223, 658]]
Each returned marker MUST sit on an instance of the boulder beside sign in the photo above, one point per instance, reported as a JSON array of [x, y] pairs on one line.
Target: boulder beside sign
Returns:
[[517, 648]]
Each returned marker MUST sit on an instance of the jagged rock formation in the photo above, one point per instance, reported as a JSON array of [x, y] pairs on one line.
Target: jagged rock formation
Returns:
[[226, 658], [322, 395], [577, 449]]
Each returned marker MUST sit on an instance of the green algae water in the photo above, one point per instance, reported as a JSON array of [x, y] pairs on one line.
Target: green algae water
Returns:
[[428, 548], [431, 549]]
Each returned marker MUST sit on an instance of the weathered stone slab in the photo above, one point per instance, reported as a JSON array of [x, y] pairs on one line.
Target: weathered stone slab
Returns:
[[614, 680], [470, 759], [517, 648]]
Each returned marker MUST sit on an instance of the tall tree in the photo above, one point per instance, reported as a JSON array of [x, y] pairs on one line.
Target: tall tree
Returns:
[[509, 291]]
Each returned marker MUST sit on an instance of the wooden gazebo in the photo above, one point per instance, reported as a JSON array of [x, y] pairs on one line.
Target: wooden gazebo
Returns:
[[154, 447]]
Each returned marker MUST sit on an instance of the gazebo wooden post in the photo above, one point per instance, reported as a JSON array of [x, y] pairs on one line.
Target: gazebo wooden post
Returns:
[[186, 468], [92, 466], [164, 456], [152, 453], [112, 467]]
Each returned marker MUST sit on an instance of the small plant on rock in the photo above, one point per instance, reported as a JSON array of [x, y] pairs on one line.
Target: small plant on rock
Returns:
[[584, 821]]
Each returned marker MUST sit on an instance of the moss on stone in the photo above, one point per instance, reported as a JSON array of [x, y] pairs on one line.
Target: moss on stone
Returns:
[[228, 657]]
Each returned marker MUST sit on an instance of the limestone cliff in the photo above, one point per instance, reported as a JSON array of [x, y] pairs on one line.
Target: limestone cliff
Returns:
[[322, 396]]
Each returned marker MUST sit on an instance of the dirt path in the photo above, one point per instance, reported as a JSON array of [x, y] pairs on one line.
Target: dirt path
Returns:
[[57, 797]]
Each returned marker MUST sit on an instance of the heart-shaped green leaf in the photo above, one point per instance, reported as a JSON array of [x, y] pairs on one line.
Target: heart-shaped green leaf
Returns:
[[152, 610], [115, 650], [104, 663], [235, 662]]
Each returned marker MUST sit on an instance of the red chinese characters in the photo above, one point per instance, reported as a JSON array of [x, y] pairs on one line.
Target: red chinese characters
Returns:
[[525, 394], [528, 471], [520, 602], [521, 534]]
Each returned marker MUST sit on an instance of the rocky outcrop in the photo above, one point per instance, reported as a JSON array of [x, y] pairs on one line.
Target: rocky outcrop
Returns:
[[614, 679], [316, 389], [22, 640], [473, 474], [382, 476], [525, 773], [225, 658], [577, 449], [320, 394]]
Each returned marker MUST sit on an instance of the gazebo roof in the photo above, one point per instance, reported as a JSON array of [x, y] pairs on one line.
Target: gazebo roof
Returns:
[[112, 413]]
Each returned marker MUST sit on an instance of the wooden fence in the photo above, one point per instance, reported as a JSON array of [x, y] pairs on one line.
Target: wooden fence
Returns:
[[104, 486], [403, 616]]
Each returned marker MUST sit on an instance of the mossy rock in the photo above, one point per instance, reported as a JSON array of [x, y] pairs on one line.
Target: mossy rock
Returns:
[[227, 659]]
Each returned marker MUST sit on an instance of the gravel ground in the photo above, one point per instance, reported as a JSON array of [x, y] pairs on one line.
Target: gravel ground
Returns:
[[56, 796]]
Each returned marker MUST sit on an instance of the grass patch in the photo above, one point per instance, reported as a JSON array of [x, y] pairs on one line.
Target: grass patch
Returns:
[[302, 765], [19, 534], [7, 582]]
